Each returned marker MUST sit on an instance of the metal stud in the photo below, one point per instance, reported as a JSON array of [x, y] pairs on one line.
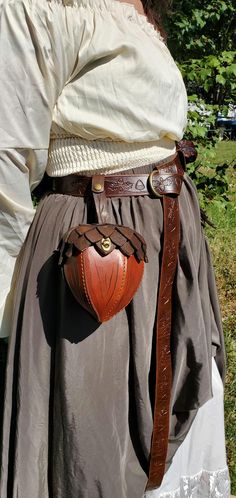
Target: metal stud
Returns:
[[97, 187], [106, 244]]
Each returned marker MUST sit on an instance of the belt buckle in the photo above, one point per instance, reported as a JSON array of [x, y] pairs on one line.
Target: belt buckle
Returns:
[[152, 188]]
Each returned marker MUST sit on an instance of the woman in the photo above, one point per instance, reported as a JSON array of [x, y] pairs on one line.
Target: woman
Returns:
[[89, 87]]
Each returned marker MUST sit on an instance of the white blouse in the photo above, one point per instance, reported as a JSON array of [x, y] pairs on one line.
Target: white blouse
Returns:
[[85, 85]]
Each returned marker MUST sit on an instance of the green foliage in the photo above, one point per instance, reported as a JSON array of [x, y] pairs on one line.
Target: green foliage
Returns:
[[210, 172], [201, 39], [201, 27], [212, 188], [222, 242], [213, 77], [214, 175], [201, 119]]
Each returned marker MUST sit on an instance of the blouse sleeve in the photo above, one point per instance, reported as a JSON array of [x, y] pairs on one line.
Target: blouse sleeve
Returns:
[[35, 64]]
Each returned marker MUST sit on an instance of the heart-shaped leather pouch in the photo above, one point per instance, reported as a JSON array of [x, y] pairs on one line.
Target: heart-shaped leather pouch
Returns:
[[103, 265]]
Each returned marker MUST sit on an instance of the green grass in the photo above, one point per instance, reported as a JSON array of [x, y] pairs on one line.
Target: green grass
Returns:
[[223, 245], [225, 152]]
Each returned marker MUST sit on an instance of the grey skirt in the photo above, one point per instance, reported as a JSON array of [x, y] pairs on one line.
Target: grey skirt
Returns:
[[79, 395]]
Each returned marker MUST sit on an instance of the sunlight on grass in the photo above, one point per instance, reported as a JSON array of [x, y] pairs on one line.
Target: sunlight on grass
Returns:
[[223, 245], [225, 152]]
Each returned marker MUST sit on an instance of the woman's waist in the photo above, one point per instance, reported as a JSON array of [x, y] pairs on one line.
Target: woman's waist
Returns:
[[75, 155]]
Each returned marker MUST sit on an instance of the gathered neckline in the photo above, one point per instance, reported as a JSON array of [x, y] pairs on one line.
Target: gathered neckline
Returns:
[[141, 19], [128, 10]]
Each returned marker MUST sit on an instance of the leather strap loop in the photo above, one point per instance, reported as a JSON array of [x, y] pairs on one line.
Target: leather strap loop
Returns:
[[98, 184]]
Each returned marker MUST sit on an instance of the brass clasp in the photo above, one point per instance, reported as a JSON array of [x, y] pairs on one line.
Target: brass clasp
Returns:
[[106, 244]]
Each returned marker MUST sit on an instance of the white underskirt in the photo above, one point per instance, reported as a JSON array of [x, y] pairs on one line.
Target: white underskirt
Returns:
[[199, 467]]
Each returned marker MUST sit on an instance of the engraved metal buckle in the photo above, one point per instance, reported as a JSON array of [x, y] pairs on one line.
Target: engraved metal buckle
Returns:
[[150, 183]]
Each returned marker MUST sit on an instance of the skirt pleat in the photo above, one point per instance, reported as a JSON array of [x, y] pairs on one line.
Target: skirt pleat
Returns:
[[79, 395]]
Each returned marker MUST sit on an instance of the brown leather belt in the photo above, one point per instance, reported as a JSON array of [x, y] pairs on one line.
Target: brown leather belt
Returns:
[[166, 178], [165, 182]]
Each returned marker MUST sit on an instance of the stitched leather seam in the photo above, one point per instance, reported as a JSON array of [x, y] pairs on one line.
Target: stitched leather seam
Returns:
[[84, 281]]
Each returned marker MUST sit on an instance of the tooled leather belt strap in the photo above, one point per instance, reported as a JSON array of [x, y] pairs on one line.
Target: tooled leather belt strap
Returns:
[[166, 178], [163, 355], [165, 182]]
